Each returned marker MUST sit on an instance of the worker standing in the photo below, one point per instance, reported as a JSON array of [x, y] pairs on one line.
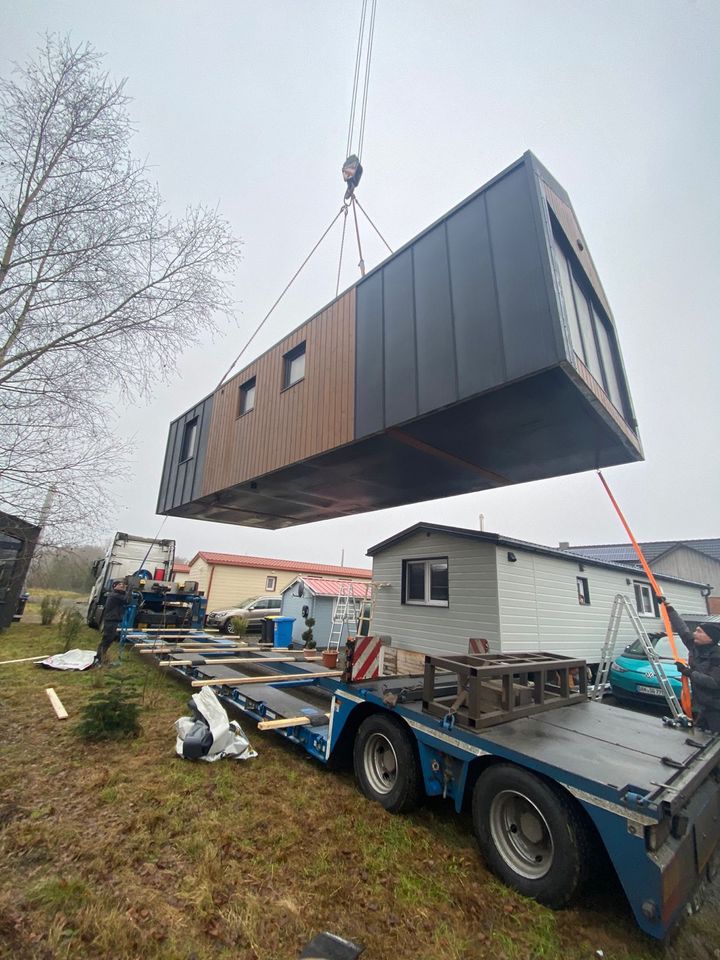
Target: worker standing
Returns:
[[702, 668], [115, 607]]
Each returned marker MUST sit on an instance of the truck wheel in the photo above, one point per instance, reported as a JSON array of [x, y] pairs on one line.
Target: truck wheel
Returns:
[[531, 835], [385, 764]]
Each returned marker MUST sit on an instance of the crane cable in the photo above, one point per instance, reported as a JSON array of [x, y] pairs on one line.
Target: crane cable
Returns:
[[360, 98], [685, 699]]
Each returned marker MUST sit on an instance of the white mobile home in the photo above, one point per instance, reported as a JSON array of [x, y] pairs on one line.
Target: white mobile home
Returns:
[[447, 584]]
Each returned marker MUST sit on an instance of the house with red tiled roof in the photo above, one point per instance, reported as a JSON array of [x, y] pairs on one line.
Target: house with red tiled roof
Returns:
[[229, 579], [180, 570]]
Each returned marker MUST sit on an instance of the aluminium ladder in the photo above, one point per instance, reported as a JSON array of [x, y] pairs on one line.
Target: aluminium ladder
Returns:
[[345, 612], [607, 655]]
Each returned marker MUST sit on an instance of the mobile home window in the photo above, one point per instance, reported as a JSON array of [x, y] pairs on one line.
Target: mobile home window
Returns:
[[187, 448], [246, 400], [294, 366], [583, 591], [271, 583], [644, 599], [425, 582]]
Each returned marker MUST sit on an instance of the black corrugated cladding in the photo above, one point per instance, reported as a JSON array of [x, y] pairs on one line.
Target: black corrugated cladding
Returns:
[[463, 309], [182, 478]]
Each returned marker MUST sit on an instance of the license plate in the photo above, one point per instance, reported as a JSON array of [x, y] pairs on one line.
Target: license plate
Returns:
[[650, 691]]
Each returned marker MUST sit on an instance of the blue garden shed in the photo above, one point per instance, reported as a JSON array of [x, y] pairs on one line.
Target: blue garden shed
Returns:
[[317, 598]]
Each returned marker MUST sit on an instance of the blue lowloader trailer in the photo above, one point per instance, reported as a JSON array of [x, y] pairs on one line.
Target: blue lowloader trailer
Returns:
[[546, 791]]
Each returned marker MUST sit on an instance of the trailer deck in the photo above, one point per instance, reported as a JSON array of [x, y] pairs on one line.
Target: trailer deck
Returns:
[[652, 792]]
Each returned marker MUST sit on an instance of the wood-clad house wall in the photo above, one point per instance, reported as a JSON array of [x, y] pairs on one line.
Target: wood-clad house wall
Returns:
[[286, 425]]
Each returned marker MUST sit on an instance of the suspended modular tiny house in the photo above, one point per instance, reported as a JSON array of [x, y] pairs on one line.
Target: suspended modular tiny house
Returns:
[[481, 354]]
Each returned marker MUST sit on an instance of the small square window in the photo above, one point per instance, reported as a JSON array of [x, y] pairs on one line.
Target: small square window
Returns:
[[187, 448], [294, 366], [426, 582], [583, 591], [246, 397], [271, 583]]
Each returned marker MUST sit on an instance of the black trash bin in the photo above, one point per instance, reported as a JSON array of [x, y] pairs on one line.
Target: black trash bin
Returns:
[[267, 631], [20, 608]]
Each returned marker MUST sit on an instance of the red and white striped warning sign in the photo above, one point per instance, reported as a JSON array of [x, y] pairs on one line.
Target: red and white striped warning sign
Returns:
[[366, 658], [478, 645]]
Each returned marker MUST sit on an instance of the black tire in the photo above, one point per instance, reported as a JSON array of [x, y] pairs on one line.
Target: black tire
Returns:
[[225, 627], [386, 767], [531, 834]]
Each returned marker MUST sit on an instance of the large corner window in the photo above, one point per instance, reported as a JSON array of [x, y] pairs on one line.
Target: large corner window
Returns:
[[294, 365], [246, 398], [425, 582], [189, 440], [591, 334], [644, 603]]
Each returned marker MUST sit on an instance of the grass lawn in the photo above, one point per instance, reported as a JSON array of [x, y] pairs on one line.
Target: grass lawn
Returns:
[[127, 851]]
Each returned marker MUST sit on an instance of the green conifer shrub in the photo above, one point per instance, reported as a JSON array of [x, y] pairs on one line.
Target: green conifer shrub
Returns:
[[113, 713]]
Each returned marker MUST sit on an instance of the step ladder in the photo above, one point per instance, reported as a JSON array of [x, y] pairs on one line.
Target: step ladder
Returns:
[[346, 611], [622, 605]]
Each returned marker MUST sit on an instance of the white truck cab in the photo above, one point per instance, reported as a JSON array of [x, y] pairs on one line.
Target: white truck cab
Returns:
[[127, 555]]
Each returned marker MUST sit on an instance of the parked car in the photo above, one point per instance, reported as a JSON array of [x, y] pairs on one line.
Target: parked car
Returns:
[[631, 675], [252, 610]]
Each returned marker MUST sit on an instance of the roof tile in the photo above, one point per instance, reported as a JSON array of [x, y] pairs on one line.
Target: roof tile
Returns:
[[272, 563]]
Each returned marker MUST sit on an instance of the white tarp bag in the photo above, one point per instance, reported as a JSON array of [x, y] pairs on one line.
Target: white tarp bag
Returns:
[[216, 737], [72, 660]]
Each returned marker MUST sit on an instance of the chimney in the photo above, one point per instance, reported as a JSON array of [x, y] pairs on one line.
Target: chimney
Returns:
[[564, 545], [482, 522]]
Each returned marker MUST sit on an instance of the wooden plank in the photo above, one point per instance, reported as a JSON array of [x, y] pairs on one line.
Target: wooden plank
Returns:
[[59, 709], [267, 678], [239, 660], [188, 648], [26, 659]]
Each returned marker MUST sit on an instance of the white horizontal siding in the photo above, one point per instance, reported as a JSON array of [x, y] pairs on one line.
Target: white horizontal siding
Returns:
[[539, 608], [472, 609]]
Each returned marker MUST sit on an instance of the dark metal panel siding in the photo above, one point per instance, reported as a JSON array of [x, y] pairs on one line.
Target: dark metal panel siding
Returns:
[[527, 328], [437, 378], [369, 352], [182, 482], [478, 334], [400, 375]]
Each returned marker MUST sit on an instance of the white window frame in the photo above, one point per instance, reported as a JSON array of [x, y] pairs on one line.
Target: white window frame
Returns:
[[291, 367], [428, 562], [645, 590], [246, 399], [270, 584]]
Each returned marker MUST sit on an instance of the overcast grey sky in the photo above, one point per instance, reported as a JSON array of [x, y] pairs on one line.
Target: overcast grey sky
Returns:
[[245, 105]]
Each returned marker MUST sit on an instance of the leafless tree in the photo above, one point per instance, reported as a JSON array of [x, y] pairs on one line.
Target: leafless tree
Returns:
[[96, 280]]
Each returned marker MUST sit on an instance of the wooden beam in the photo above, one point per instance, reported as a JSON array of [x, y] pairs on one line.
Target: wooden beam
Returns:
[[203, 648], [268, 678], [240, 660], [59, 709], [302, 721]]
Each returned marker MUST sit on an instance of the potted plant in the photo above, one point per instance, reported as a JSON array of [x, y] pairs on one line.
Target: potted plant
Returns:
[[307, 635]]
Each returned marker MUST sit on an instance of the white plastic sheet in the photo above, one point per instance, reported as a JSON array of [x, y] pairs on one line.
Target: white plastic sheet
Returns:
[[228, 738], [72, 660]]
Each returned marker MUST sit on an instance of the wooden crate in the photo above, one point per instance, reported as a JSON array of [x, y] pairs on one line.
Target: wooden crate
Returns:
[[479, 691]]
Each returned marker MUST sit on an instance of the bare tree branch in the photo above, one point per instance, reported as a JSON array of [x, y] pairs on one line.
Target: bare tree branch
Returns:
[[95, 279]]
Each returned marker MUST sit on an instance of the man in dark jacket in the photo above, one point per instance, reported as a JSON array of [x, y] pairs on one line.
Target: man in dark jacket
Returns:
[[702, 669], [115, 606]]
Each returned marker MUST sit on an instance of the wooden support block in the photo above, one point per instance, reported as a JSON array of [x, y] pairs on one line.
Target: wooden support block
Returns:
[[286, 722], [268, 678], [26, 659], [59, 709]]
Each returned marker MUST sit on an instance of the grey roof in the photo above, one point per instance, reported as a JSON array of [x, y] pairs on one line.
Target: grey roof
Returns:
[[653, 550], [518, 544]]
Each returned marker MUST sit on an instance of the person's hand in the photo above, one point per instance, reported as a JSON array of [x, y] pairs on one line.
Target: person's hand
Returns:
[[683, 668]]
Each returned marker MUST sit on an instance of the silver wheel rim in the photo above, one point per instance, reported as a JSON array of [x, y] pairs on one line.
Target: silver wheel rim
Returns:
[[380, 761], [229, 627], [521, 834]]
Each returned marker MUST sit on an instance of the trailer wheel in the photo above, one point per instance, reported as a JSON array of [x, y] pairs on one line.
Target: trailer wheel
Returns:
[[531, 835], [386, 767]]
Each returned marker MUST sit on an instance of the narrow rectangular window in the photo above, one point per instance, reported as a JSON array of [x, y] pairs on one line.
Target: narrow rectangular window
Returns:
[[187, 448], [583, 591], [270, 583], [246, 398], [426, 582], [644, 599], [294, 366]]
